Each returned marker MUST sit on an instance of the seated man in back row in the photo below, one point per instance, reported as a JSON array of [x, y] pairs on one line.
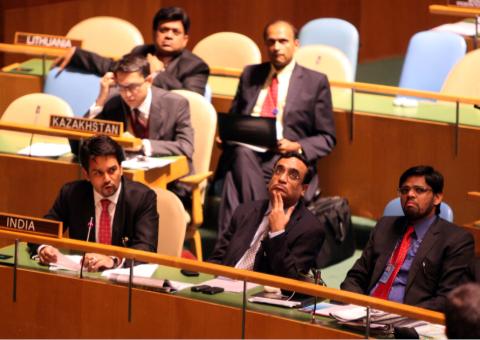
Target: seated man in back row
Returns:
[[279, 236], [116, 210], [171, 65], [298, 99], [160, 118], [417, 258]]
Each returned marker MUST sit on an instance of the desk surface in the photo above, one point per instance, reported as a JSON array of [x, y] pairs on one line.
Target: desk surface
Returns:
[[183, 314]]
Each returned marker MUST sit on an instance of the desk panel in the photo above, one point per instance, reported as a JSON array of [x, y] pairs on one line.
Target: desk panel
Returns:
[[13, 86]]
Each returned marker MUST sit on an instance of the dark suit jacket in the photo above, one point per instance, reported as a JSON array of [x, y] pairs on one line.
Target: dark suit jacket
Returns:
[[186, 71], [438, 266], [135, 217], [289, 254], [307, 118], [170, 131]]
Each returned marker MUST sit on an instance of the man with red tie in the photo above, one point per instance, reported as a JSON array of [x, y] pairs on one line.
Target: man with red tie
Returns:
[[298, 99], [105, 207], [160, 118], [417, 258]]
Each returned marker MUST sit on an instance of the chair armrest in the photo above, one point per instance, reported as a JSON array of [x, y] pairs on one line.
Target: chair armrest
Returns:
[[195, 180], [197, 210]]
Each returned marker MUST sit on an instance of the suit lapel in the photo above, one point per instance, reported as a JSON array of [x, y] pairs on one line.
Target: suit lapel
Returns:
[[258, 80], [294, 88], [155, 117], [427, 243]]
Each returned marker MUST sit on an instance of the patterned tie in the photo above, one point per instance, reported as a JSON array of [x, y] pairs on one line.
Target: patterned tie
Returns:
[[105, 231], [248, 259], [139, 127], [269, 108], [383, 289]]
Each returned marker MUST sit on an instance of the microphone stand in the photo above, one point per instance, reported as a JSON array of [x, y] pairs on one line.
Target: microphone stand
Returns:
[[90, 226]]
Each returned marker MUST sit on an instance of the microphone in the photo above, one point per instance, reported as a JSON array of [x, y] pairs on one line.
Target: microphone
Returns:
[[477, 106], [90, 226], [35, 121]]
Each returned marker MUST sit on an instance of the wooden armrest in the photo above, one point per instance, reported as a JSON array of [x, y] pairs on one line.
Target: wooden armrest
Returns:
[[196, 179]]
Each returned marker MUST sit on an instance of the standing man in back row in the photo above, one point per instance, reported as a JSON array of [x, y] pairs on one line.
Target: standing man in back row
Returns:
[[300, 101], [172, 66]]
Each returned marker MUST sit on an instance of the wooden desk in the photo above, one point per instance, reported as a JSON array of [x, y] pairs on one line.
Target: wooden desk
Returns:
[[30, 185]]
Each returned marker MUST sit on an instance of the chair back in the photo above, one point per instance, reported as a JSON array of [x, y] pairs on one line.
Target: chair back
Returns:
[[172, 223], [204, 122], [107, 36], [394, 208], [430, 57], [228, 49], [77, 88], [326, 59], [463, 79], [332, 32], [33, 109]]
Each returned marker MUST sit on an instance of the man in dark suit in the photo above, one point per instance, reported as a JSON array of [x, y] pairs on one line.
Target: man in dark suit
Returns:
[[417, 258], [171, 65], [278, 236], [300, 101], [106, 207]]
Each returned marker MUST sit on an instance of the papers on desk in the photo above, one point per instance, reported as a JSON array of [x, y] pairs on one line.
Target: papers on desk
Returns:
[[142, 270], [66, 262], [45, 150], [229, 285], [145, 163]]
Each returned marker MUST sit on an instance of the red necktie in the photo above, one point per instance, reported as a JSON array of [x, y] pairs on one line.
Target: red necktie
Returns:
[[139, 128], [269, 108], [383, 289], [104, 230]]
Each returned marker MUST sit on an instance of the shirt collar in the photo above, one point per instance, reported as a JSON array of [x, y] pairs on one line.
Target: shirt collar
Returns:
[[287, 70], [144, 107], [114, 198], [421, 227]]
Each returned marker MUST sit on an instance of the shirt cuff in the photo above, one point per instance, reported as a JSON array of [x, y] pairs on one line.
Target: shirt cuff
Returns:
[[147, 147], [94, 110], [275, 233]]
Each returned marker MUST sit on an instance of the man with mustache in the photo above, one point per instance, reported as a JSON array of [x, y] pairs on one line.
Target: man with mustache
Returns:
[[172, 66], [417, 258], [298, 99], [278, 236], [120, 212]]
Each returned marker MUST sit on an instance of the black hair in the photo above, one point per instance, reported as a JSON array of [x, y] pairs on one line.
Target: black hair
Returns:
[[132, 63], [171, 14], [462, 312], [100, 145], [309, 173], [294, 29], [433, 178]]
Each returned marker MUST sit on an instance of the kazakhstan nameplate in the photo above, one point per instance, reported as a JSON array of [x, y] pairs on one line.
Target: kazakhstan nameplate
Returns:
[[45, 40], [31, 225], [95, 126]]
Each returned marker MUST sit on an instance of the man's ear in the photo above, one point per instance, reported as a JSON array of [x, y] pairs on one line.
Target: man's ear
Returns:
[[437, 198], [85, 174], [304, 188], [149, 78]]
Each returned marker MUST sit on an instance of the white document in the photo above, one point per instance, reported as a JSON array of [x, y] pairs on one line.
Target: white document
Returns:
[[45, 150], [229, 285], [431, 331], [145, 163], [277, 302], [142, 270], [67, 262]]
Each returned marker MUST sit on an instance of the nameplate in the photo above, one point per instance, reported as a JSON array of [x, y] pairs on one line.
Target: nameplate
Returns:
[[31, 225], [95, 126], [45, 40]]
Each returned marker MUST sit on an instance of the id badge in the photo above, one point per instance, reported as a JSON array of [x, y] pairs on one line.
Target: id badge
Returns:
[[387, 273]]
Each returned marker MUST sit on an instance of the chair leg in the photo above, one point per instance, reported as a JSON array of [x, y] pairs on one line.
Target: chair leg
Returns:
[[196, 244]]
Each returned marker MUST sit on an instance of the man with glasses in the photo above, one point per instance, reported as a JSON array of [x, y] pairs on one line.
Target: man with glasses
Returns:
[[171, 65], [278, 236], [160, 118], [417, 258]]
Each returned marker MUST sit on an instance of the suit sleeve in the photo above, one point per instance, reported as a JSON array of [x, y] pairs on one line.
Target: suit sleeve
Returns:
[[322, 141], [457, 256], [91, 62], [290, 258], [145, 236], [183, 140], [359, 276], [195, 79], [239, 102]]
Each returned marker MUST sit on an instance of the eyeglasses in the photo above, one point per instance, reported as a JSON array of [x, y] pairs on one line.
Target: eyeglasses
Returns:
[[165, 30], [133, 87], [417, 189], [292, 174]]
